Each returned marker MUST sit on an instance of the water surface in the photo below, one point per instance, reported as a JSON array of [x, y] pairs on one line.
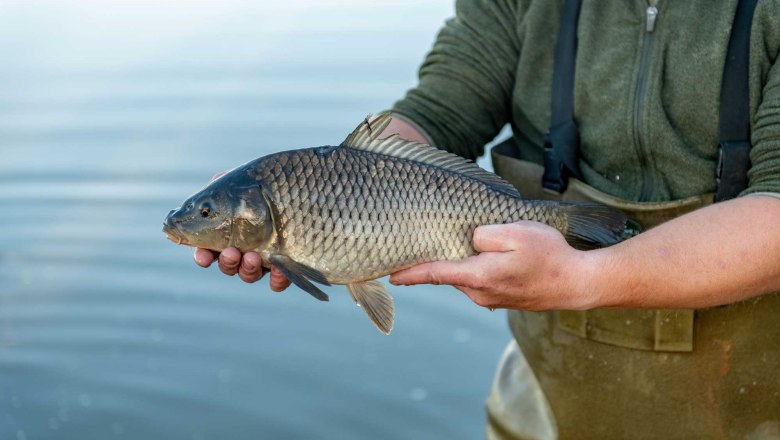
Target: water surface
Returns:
[[110, 114]]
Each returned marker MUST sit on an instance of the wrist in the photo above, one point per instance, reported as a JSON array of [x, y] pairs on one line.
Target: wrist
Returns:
[[592, 283]]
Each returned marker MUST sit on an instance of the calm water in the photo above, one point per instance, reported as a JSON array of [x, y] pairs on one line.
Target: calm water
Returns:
[[110, 114]]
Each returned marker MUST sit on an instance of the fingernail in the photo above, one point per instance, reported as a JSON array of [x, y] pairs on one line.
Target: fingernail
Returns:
[[250, 267], [399, 283]]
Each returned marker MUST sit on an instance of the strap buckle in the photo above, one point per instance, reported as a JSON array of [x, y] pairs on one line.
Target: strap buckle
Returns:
[[561, 154], [731, 170], [553, 177]]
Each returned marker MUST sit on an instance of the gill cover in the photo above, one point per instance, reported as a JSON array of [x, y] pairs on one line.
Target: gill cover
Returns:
[[252, 225]]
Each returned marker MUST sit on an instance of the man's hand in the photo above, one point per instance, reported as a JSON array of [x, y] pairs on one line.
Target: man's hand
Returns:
[[248, 266], [716, 255], [525, 265]]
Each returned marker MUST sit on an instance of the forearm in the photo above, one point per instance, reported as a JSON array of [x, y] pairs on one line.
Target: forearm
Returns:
[[465, 87], [721, 254], [405, 130]]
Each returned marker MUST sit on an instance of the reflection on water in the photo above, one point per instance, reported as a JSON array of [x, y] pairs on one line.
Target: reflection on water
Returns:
[[110, 114]]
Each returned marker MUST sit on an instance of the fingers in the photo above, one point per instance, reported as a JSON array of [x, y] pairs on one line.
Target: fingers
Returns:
[[229, 260], [204, 257], [455, 273], [251, 268], [464, 275], [278, 281]]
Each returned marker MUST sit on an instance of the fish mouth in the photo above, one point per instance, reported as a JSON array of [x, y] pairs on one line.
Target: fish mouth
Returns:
[[174, 235], [172, 232]]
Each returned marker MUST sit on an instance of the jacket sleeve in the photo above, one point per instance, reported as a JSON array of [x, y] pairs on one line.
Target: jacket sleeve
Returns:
[[764, 173], [465, 83]]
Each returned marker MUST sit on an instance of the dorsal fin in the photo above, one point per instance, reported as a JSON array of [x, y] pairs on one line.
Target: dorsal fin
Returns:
[[365, 138]]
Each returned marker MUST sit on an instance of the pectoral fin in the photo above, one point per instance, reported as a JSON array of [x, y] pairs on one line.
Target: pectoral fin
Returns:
[[376, 302], [300, 275]]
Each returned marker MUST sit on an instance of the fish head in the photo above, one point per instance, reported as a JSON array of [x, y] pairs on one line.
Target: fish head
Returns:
[[229, 211]]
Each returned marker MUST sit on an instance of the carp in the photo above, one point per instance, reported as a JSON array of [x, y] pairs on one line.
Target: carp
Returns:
[[355, 212]]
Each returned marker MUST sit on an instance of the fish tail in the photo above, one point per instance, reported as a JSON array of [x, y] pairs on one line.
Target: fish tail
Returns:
[[592, 225]]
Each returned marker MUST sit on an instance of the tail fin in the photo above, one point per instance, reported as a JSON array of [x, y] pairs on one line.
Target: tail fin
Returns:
[[593, 226]]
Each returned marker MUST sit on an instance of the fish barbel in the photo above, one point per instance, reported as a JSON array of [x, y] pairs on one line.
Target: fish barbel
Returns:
[[352, 213]]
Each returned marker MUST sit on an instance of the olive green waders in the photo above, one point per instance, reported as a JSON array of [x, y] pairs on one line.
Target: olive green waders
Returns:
[[636, 373]]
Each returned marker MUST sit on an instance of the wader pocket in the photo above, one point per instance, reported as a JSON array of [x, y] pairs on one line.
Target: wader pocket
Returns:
[[640, 329]]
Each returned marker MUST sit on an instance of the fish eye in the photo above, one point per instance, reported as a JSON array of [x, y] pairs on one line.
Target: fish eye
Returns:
[[205, 209]]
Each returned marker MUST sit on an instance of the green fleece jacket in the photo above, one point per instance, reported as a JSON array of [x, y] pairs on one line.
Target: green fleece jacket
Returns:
[[652, 140]]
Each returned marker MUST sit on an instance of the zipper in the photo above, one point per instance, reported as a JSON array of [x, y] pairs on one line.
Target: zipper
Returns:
[[651, 15]]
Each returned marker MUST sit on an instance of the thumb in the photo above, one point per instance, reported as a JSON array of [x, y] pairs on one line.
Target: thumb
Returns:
[[500, 238], [454, 273]]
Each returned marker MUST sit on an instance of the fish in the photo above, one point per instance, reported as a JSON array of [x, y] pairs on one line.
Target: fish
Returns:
[[355, 212]]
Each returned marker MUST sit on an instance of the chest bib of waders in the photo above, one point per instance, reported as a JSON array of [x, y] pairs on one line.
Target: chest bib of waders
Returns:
[[639, 373]]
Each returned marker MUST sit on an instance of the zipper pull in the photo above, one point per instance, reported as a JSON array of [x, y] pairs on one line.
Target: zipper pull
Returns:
[[652, 14]]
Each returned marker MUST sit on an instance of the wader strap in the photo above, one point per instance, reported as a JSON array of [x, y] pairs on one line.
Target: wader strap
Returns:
[[562, 143], [734, 125]]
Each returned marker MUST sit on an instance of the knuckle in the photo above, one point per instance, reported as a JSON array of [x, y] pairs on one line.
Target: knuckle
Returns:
[[475, 280], [433, 277], [227, 270], [229, 263], [279, 287], [249, 270], [248, 278]]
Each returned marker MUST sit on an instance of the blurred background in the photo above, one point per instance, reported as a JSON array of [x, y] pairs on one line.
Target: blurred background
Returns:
[[111, 113]]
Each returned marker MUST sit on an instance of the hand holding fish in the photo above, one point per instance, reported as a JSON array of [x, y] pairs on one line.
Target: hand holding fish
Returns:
[[525, 265], [249, 266]]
